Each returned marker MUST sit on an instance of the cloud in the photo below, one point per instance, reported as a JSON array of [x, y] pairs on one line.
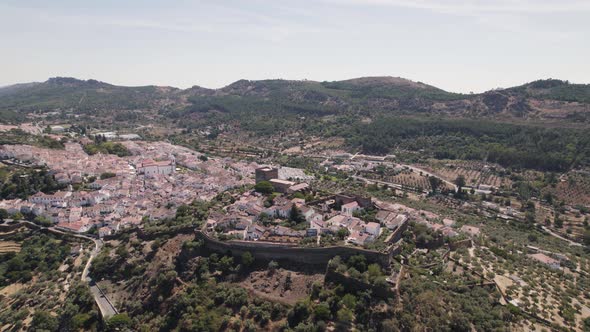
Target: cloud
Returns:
[[211, 19], [475, 7]]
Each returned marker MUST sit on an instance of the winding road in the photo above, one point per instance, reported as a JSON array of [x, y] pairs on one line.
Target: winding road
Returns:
[[571, 243], [107, 309]]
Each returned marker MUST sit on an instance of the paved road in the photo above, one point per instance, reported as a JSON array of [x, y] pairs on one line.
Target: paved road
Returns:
[[107, 309], [104, 304]]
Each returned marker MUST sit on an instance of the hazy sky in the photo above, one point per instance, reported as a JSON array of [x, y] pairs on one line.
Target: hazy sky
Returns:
[[456, 45]]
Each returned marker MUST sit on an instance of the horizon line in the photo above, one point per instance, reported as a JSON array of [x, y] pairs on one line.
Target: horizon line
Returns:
[[281, 79]]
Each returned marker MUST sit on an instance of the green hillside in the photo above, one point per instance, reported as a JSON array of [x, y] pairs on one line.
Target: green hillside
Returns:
[[70, 93]]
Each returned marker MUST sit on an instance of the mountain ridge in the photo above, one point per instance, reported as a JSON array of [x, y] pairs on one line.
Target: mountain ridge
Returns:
[[540, 99], [362, 80]]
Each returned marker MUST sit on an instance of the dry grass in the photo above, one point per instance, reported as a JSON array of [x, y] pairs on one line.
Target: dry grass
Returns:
[[9, 246]]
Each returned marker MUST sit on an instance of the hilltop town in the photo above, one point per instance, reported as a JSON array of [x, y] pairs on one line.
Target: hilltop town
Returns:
[[193, 213], [116, 192], [397, 216]]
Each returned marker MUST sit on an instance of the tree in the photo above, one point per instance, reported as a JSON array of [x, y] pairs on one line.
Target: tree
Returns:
[[264, 187], [359, 262], [107, 175], [122, 252], [295, 215], [558, 222], [119, 322], [344, 315], [435, 183], [298, 314], [288, 281], [460, 323], [530, 217], [265, 218], [3, 214], [299, 195], [349, 301], [44, 321], [247, 259], [374, 271], [322, 312], [226, 264], [342, 233], [460, 182], [272, 267]]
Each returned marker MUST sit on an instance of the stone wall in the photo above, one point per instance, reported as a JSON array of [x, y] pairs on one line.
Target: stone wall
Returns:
[[266, 173], [397, 233], [273, 251], [148, 236], [364, 202]]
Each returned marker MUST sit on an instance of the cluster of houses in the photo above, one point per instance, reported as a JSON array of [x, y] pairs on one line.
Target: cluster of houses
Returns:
[[446, 226], [248, 218], [159, 176], [145, 184], [252, 217]]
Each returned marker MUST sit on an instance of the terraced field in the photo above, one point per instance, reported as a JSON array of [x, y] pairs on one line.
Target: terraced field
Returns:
[[573, 189], [9, 246]]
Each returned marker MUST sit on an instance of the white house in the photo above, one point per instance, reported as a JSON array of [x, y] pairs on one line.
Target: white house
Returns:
[[350, 208], [150, 167], [373, 228]]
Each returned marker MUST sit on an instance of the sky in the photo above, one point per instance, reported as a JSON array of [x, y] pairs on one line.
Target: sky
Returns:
[[457, 45]]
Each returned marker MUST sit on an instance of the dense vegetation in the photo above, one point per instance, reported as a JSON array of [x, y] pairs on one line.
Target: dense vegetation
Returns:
[[17, 136], [7, 116], [555, 89], [69, 93], [23, 182], [428, 306], [119, 267], [390, 88], [42, 295], [509, 145], [107, 148], [39, 254], [357, 267]]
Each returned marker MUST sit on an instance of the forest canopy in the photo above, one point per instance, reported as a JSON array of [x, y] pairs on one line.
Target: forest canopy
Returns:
[[510, 145]]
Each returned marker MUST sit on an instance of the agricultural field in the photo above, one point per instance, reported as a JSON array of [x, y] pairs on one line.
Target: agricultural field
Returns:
[[476, 173], [40, 278], [556, 295], [406, 178], [9, 246], [573, 189]]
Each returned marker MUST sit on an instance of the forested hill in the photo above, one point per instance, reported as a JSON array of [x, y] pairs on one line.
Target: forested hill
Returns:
[[62, 93], [541, 125], [370, 96]]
